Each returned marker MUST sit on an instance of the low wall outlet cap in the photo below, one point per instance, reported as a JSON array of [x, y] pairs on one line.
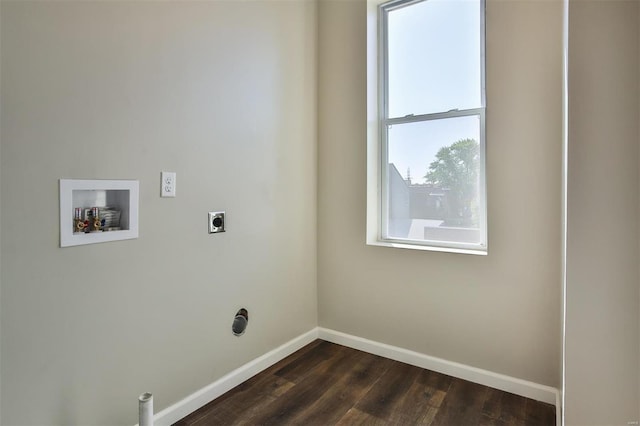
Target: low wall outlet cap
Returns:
[[240, 322]]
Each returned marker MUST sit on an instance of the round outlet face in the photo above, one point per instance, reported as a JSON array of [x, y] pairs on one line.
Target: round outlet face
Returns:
[[216, 222]]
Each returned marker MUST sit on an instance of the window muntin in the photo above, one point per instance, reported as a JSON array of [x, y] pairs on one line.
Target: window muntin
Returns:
[[432, 123]]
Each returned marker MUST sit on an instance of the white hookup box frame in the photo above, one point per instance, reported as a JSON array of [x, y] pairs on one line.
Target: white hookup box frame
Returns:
[[86, 193]]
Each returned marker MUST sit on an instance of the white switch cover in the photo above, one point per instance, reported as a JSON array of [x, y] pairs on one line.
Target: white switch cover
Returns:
[[168, 184]]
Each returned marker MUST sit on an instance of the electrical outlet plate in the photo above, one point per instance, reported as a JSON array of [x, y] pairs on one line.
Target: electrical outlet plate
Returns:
[[168, 184], [216, 222]]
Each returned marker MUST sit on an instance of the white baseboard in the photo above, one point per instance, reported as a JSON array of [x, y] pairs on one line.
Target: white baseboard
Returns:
[[210, 392], [476, 375]]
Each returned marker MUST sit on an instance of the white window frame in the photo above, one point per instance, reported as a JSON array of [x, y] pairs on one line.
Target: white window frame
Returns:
[[378, 120]]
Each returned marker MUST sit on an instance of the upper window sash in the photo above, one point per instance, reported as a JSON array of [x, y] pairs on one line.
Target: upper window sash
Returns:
[[423, 99]]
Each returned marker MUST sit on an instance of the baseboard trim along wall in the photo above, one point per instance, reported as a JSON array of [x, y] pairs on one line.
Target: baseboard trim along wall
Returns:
[[229, 381], [210, 392]]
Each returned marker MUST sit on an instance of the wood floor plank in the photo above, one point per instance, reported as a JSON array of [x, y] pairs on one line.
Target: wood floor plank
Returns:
[[388, 393], [464, 393], [462, 405], [539, 414], [434, 386], [449, 415], [421, 402], [415, 408], [355, 417], [505, 406], [513, 409], [492, 404], [490, 421]]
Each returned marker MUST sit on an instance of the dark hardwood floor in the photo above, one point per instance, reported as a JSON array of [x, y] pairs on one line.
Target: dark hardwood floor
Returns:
[[328, 384]]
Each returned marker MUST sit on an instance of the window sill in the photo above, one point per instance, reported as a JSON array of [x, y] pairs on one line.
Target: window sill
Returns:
[[477, 252]]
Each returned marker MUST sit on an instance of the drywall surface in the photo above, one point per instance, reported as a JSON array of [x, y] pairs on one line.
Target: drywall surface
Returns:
[[223, 94], [602, 358], [499, 312]]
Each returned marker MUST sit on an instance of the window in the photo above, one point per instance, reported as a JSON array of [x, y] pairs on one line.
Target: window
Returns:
[[426, 131]]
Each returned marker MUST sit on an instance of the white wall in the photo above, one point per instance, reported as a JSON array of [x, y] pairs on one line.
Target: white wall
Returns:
[[500, 312], [602, 353], [224, 94]]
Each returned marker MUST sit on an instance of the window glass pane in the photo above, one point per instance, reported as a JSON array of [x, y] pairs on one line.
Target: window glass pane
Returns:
[[434, 180], [434, 57]]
